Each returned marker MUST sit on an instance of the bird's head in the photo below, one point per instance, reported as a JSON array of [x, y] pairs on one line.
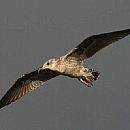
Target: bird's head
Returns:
[[50, 64]]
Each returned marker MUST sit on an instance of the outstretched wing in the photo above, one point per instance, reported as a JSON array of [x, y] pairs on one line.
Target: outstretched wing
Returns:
[[88, 47], [25, 84]]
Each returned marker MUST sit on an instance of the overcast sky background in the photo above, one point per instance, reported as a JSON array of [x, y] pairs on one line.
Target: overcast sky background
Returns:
[[32, 31]]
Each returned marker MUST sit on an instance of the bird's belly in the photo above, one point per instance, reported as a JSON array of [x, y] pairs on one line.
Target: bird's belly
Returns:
[[72, 72], [71, 69]]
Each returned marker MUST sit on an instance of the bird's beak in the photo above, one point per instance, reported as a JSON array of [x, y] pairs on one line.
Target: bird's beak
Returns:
[[40, 69], [44, 66]]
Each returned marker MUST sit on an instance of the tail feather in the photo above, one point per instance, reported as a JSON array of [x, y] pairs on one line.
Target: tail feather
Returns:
[[95, 74]]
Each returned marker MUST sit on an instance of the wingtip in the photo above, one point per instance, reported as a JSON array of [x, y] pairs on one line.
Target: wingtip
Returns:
[[126, 30], [1, 105]]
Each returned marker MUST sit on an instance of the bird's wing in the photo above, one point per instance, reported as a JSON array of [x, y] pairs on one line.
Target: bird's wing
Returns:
[[88, 47], [25, 84]]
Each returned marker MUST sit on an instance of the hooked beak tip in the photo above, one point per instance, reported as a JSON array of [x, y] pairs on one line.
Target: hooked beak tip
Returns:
[[40, 69]]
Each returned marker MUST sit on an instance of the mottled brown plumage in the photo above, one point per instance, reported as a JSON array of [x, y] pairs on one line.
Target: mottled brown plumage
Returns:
[[69, 65]]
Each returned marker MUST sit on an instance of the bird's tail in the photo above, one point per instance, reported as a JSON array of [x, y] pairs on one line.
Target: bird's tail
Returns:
[[95, 74], [91, 75]]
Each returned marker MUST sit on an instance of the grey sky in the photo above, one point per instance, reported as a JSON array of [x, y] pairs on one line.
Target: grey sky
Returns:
[[32, 31]]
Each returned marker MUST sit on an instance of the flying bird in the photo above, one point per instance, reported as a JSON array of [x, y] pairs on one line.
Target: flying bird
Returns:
[[70, 65]]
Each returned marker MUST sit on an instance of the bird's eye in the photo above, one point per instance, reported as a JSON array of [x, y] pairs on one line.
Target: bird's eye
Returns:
[[47, 63]]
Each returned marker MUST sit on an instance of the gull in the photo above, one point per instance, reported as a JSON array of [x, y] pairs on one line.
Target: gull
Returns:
[[70, 65]]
